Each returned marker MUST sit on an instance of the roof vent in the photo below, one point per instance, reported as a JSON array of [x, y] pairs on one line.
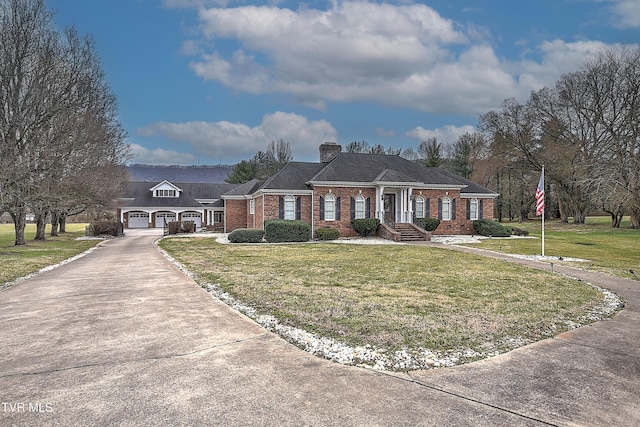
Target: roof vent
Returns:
[[328, 151]]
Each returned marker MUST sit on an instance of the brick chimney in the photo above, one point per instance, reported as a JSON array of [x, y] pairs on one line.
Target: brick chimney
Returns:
[[328, 151]]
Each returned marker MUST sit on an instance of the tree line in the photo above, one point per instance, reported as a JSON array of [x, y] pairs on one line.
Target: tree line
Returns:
[[62, 148], [585, 131]]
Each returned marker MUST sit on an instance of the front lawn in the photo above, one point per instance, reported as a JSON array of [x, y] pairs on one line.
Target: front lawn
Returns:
[[19, 261], [395, 297], [614, 251]]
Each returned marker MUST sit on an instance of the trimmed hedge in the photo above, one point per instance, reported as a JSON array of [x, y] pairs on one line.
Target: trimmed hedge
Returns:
[[327, 234], [176, 227], [365, 226], [516, 231], [282, 230], [105, 228], [489, 228], [246, 235], [428, 224]]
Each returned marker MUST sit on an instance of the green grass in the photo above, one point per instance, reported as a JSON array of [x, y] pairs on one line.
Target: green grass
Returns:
[[19, 261], [607, 250], [391, 296]]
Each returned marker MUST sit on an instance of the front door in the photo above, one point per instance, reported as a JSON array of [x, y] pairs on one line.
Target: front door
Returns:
[[390, 209]]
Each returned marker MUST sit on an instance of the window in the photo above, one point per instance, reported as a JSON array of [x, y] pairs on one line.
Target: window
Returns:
[[360, 207], [330, 208], [290, 207], [252, 206], [217, 217], [420, 207], [446, 209], [165, 193], [473, 209]]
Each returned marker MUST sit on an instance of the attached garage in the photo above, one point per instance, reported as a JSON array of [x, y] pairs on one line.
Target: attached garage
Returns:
[[162, 217], [138, 220], [196, 217]]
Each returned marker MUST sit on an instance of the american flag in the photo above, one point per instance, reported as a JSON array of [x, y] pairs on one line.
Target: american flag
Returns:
[[540, 196]]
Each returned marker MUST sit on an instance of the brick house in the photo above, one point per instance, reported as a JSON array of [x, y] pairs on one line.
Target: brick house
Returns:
[[344, 186]]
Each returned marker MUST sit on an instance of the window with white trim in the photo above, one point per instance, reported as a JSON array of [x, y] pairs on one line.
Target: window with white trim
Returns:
[[473, 209], [330, 207], [290, 208], [252, 206], [446, 209], [165, 193], [420, 207], [360, 207]]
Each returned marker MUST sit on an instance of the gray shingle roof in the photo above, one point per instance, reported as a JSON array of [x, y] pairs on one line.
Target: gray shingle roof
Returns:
[[293, 176], [142, 197], [358, 167], [249, 187], [472, 187], [389, 175]]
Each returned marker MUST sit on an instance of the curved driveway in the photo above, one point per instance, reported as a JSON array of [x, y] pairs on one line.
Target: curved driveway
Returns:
[[121, 337]]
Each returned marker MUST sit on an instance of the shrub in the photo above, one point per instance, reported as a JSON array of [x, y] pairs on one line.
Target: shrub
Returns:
[[428, 224], [105, 228], [327, 234], [282, 230], [516, 231], [246, 235], [364, 226], [486, 227], [175, 227]]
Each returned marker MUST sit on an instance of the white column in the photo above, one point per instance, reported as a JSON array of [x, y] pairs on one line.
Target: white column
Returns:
[[410, 210], [380, 204]]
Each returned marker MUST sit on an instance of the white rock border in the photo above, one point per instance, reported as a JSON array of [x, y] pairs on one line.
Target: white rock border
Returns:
[[378, 358]]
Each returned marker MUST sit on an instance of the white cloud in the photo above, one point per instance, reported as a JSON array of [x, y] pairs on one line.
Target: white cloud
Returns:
[[444, 135], [220, 140], [404, 55], [558, 58], [159, 156], [627, 13]]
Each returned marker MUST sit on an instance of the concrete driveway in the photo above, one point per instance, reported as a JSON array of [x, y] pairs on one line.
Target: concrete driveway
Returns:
[[121, 337]]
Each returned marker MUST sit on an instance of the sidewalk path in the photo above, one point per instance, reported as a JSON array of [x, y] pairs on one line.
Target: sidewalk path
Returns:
[[121, 337]]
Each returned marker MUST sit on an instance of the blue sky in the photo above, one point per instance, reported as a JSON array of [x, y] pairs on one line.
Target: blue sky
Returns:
[[213, 81]]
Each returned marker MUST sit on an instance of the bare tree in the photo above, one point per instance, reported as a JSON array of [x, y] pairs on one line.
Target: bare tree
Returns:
[[54, 101], [612, 82], [357, 147]]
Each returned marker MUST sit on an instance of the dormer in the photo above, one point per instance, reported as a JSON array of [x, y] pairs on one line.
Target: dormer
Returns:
[[165, 189]]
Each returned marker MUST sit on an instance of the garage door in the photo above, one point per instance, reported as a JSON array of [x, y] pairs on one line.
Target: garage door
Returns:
[[193, 216], [161, 217], [138, 220]]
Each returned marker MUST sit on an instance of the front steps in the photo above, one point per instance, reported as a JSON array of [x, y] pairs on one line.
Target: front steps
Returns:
[[403, 233]]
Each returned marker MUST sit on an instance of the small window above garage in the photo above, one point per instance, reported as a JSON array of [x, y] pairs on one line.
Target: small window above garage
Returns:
[[165, 189]]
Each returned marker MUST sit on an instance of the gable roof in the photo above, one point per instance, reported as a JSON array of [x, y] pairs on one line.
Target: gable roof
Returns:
[[360, 169], [390, 175], [472, 188], [293, 176], [363, 168], [137, 194], [175, 187], [248, 187]]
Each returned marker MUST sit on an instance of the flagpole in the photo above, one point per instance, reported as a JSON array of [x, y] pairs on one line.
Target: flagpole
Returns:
[[543, 214]]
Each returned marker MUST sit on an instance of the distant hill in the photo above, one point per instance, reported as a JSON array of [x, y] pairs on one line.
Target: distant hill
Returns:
[[157, 173]]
